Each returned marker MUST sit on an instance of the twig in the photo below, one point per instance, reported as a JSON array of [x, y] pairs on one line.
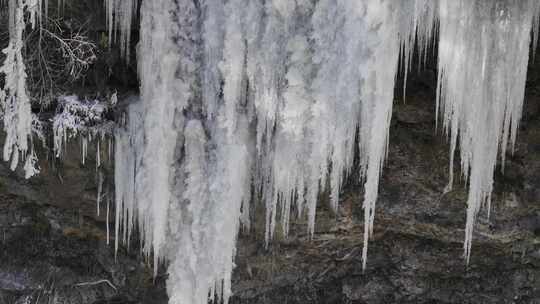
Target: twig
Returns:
[[97, 283]]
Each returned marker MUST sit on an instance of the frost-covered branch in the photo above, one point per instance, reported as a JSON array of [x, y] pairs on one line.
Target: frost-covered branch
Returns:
[[83, 118]]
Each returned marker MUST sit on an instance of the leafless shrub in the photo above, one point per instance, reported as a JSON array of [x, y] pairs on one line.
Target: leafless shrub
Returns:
[[57, 55]]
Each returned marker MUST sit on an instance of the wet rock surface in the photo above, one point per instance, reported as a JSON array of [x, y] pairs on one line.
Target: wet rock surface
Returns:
[[53, 245]]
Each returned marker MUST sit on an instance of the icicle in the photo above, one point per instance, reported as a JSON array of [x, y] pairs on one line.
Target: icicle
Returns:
[[14, 100], [233, 61], [330, 31], [162, 95], [98, 154], [377, 100], [228, 170], [213, 31], [483, 57], [192, 271], [109, 149], [266, 55], [266, 71], [127, 153], [393, 28], [107, 219], [418, 18], [120, 16], [146, 160], [291, 145], [100, 186], [84, 148], [230, 187]]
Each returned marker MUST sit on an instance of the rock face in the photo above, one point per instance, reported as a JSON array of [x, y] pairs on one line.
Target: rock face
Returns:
[[54, 245]]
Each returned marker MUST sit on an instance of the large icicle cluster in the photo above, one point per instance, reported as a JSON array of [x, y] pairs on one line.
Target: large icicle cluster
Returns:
[[250, 100], [120, 16], [397, 28], [181, 175], [14, 100], [268, 94], [483, 57], [271, 94], [166, 68]]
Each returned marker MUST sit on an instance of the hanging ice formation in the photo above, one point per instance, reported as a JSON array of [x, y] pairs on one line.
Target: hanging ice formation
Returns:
[[394, 27], [242, 93], [120, 16], [483, 57], [244, 100], [271, 94], [184, 176], [18, 120]]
